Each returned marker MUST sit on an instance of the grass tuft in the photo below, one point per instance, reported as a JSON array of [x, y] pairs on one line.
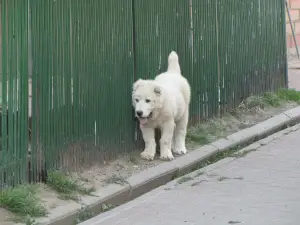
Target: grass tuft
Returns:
[[67, 187], [83, 215], [27, 220], [215, 128], [272, 99], [23, 201], [289, 95], [242, 154], [207, 132], [184, 179], [114, 179]]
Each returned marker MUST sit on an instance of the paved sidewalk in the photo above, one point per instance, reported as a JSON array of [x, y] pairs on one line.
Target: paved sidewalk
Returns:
[[262, 188]]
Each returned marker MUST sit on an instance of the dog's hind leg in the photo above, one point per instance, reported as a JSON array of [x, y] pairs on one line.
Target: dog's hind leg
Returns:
[[180, 135], [150, 145]]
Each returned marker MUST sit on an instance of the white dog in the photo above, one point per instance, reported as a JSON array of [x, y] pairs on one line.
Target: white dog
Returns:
[[163, 103]]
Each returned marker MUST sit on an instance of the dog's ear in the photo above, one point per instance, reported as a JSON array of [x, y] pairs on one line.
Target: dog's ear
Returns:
[[157, 90], [137, 84]]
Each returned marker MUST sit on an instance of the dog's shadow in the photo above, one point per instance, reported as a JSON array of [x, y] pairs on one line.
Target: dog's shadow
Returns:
[[157, 138]]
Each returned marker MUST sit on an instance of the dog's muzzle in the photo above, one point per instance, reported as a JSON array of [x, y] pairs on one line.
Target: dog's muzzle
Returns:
[[143, 120]]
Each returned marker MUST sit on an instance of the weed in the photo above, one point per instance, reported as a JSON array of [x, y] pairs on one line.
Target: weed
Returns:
[[61, 183], [289, 95], [83, 215], [207, 132], [106, 207], [223, 178], [114, 179], [84, 179], [184, 179], [198, 183], [251, 102], [133, 159], [85, 191], [23, 201], [221, 155], [241, 154], [30, 221], [229, 178], [68, 196], [27, 220], [199, 173], [200, 138], [272, 99], [66, 186], [234, 222]]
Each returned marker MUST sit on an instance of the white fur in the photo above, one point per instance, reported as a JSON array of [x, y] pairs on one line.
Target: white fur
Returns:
[[163, 103]]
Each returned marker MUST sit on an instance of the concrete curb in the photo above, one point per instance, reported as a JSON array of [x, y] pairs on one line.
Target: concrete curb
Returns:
[[156, 176]]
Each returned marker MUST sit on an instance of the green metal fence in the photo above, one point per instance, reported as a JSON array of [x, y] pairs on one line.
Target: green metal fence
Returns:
[[251, 48], [78, 60], [14, 96], [82, 77]]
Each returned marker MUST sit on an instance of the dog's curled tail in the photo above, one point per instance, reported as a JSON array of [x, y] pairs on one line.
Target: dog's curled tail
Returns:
[[173, 63]]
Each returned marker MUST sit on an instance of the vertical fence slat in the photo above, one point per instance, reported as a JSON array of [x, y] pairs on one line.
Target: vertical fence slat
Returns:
[[14, 94]]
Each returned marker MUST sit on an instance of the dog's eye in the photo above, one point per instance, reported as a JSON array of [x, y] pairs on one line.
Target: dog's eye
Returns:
[[148, 100], [136, 100]]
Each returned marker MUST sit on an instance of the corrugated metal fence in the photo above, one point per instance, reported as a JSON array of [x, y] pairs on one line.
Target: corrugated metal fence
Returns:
[[69, 65]]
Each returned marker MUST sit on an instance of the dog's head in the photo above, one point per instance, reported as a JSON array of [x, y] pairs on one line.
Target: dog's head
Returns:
[[147, 100]]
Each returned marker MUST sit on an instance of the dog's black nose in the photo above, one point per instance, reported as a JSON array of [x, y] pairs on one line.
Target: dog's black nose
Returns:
[[139, 113]]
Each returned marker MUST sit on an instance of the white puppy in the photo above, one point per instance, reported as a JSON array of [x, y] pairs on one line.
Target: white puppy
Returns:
[[163, 103]]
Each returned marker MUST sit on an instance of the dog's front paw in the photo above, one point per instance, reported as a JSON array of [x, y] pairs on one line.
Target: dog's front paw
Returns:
[[180, 151], [166, 156], [147, 155]]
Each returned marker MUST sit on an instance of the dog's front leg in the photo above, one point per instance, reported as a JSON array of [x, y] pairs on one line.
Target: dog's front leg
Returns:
[[150, 145], [167, 131]]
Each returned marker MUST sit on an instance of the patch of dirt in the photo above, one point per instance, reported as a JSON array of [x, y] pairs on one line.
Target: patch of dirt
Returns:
[[256, 116], [5, 217], [261, 115], [115, 171], [50, 198]]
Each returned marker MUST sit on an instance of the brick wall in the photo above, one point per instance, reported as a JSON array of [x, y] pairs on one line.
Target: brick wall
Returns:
[[294, 7]]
